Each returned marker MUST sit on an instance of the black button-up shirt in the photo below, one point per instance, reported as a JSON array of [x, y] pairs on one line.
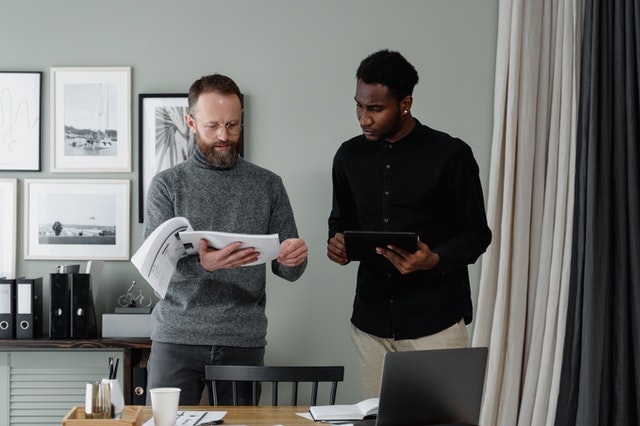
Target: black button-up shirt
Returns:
[[428, 183]]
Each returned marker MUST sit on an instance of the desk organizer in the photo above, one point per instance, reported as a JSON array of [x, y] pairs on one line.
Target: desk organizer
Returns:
[[131, 416]]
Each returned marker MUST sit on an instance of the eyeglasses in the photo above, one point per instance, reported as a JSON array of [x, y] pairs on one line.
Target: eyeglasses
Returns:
[[233, 128]]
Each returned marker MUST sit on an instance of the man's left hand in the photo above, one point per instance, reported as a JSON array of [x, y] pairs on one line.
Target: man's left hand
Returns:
[[293, 252], [406, 262]]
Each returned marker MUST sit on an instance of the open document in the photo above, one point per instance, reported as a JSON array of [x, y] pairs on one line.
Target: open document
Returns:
[[194, 418], [156, 259]]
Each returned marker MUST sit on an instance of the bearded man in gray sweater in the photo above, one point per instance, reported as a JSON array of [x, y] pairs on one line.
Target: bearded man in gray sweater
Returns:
[[214, 309]]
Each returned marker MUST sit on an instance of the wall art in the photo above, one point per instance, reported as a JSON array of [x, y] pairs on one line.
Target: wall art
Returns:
[[164, 137], [8, 211], [91, 119], [76, 219], [20, 130]]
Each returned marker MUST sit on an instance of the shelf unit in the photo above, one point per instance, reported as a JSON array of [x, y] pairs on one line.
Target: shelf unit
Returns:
[[44, 377]]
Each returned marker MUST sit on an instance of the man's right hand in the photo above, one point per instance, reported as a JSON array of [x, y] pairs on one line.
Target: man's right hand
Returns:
[[336, 250], [228, 257]]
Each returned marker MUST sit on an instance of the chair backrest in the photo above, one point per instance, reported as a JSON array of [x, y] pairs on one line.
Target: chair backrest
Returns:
[[275, 375]]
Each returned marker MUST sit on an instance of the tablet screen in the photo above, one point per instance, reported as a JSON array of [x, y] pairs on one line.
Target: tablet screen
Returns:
[[361, 245]]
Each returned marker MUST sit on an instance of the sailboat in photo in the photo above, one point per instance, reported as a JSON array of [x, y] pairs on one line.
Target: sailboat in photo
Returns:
[[100, 139]]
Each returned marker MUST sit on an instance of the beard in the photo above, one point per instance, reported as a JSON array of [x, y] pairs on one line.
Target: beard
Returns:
[[222, 159]]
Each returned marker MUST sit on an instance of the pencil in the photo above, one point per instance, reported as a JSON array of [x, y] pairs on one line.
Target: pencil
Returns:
[[110, 370]]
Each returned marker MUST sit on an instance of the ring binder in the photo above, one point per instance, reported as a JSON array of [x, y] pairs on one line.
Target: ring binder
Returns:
[[72, 313], [7, 308], [28, 308]]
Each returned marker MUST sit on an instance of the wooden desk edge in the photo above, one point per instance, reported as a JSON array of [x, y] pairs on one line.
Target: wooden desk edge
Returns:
[[252, 416]]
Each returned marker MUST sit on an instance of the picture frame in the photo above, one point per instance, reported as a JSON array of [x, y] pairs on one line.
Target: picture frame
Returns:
[[20, 126], [164, 137], [91, 119], [8, 225], [77, 219]]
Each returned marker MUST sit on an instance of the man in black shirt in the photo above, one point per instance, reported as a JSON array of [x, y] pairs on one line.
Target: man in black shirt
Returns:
[[400, 175]]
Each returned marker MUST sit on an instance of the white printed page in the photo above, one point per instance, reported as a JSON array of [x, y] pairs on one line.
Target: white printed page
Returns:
[[156, 259], [267, 245]]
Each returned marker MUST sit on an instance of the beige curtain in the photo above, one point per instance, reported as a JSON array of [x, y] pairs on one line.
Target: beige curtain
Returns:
[[521, 310]]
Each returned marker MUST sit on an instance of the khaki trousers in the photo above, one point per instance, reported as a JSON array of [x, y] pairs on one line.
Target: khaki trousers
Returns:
[[371, 350]]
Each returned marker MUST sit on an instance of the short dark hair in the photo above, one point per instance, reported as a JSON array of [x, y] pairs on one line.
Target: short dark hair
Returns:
[[390, 69], [212, 83]]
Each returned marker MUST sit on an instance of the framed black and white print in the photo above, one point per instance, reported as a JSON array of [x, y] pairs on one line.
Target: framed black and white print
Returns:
[[76, 219], [91, 119], [20, 128], [8, 222], [164, 137]]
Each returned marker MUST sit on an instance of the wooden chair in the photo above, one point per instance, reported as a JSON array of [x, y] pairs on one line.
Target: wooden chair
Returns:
[[275, 375]]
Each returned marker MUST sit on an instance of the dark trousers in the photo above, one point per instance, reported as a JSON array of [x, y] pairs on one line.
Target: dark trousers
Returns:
[[183, 366]]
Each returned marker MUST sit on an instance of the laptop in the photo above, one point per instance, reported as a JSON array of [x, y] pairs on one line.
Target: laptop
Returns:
[[431, 387]]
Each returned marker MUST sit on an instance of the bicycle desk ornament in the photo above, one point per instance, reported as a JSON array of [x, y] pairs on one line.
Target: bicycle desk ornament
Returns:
[[134, 298], [131, 317]]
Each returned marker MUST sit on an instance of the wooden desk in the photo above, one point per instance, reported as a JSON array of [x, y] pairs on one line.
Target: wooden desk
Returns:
[[250, 416]]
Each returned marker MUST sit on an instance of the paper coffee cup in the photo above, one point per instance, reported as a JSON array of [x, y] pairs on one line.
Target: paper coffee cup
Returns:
[[164, 403]]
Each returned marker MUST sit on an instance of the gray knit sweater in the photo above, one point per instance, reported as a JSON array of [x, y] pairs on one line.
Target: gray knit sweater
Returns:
[[224, 307]]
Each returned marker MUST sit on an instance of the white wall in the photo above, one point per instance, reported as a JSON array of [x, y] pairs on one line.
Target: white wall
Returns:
[[295, 60]]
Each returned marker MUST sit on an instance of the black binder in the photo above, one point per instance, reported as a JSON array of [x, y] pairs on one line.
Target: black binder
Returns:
[[59, 314], [72, 314], [28, 308], [7, 308], [139, 386], [83, 318]]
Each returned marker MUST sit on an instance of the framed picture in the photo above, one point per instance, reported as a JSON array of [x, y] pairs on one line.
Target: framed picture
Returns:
[[20, 110], [91, 119], [76, 219], [8, 209], [164, 137]]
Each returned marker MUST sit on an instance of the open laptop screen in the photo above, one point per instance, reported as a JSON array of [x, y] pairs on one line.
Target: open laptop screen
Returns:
[[432, 387]]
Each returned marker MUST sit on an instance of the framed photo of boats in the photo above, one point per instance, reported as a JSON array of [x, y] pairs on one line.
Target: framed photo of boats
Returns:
[[8, 211], [91, 119], [20, 111], [76, 219]]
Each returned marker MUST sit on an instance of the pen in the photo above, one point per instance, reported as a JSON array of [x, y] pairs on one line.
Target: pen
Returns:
[[110, 369], [115, 369], [197, 422]]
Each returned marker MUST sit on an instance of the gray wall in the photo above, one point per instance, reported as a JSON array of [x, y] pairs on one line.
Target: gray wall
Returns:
[[295, 60]]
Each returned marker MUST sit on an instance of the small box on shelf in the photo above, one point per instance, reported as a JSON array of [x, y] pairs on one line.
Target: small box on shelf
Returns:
[[126, 325]]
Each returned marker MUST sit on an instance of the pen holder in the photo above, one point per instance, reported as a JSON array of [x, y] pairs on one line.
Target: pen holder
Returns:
[[97, 403], [117, 397]]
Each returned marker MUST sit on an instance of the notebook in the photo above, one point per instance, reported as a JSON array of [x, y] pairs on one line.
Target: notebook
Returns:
[[435, 387]]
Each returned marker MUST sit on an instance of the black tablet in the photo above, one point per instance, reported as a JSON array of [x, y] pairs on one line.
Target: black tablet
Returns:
[[361, 245]]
